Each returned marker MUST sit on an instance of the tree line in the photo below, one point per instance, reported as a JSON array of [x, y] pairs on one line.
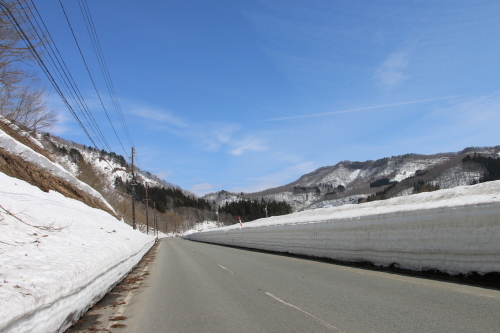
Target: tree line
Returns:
[[165, 199], [491, 166], [250, 210]]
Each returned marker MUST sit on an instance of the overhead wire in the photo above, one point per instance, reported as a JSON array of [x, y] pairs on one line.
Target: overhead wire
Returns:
[[41, 63], [89, 22], [90, 75], [57, 62]]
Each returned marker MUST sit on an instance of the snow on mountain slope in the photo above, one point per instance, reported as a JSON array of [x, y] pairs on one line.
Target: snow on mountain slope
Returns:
[[339, 184], [29, 155], [222, 197], [455, 231], [58, 257], [409, 168]]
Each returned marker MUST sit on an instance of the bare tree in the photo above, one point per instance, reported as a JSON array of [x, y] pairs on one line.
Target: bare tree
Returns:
[[22, 99], [29, 108]]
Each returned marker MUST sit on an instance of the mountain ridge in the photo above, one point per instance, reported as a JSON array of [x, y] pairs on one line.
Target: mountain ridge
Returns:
[[354, 181]]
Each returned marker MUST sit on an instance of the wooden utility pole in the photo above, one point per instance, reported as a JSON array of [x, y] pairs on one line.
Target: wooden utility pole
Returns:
[[133, 190], [154, 220], [147, 218]]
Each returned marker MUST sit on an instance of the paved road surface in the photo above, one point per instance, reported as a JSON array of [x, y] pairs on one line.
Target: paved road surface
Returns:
[[196, 287]]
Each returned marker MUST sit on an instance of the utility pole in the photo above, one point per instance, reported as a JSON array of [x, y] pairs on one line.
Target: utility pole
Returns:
[[133, 190], [154, 220], [147, 219]]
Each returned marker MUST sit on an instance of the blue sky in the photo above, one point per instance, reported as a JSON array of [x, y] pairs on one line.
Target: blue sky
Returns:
[[247, 95]]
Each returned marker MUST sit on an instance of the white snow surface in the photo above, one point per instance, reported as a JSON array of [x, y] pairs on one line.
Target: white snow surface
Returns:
[[409, 168], [454, 230], [205, 225], [29, 155], [352, 199], [58, 256]]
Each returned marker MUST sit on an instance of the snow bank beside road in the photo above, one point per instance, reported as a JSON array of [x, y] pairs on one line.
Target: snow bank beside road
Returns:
[[455, 231], [57, 256]]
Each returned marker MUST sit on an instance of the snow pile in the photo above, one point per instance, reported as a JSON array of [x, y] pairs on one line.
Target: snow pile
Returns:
[[29, 155], [205, 225], [455, 230], [58, 257]]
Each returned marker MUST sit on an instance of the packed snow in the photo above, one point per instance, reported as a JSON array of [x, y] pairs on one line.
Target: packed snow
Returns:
[[58, 257], [205, 225], [455, 230], [29, 155]]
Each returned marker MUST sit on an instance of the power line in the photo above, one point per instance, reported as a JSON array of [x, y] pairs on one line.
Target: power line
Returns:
[[58, 65], [90, 75], [89, 23], [42, 65], [57, 62]]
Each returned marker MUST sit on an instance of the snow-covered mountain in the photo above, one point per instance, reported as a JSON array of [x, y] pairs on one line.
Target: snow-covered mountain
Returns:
[[351, 182]]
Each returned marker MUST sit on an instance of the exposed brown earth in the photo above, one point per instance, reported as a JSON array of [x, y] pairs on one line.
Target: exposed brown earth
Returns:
[[24, 140], [16, 167]]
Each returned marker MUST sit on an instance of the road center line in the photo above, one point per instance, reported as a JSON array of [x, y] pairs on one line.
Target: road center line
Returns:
[[225, 268], [324, 323]]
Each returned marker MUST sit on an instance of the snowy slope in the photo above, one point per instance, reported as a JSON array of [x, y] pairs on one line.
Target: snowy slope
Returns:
[[58, 256], [455, 230], [29, 155]]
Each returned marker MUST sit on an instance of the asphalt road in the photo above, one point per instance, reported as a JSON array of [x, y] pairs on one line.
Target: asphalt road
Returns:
[[196, 287]]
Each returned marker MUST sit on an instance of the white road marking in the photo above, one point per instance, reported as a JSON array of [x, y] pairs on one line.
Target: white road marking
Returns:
[[225, 268], [324, 323]]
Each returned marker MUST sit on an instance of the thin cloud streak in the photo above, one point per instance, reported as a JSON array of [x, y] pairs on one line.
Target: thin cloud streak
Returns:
[[358, 109]]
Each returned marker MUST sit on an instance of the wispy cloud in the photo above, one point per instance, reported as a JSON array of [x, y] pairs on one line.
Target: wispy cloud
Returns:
[[227, 137], [285, 175], [247, 144], [391, 74], [164, 174], [210, 136], [213, 136], [158, 115], [475, 119], [202, 189], [358, 109]]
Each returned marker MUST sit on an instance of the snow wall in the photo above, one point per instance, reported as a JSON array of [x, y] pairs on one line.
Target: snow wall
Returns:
[[58, 257], [454, 231]]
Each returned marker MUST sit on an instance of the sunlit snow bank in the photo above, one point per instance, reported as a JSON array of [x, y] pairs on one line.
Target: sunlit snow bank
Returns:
[[205, 225], [57, 257], [455, 231]]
